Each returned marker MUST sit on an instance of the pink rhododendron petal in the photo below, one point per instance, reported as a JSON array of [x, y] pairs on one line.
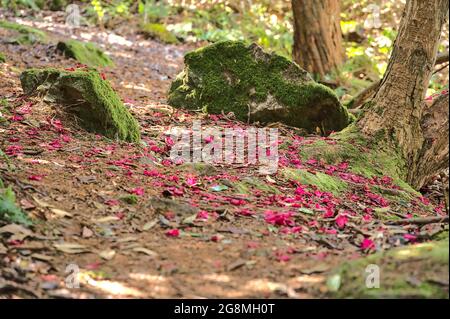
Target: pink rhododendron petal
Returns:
[[137, 191], [341, 221], [173, 233], [367, 244]]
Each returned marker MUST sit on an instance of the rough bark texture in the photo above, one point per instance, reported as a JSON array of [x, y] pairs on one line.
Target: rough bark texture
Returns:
[[395, 113], [317, 35], [434, 153]]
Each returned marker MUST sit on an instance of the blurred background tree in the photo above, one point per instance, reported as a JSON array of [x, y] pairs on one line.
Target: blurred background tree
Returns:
[[317, 35], [366, 46]]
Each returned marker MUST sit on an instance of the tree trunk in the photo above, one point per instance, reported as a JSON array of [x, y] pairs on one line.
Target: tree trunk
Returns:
[[434, 153], [317, 35], [395, 115]]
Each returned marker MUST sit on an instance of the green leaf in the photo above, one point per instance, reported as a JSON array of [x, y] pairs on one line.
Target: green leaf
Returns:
[[306, 211], [219, 188], [9, 211]]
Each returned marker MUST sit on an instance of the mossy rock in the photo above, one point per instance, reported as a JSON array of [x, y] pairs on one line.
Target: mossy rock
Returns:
[[25, 35], [416, 271], [230, 76], [158, 31], [86, 95], [84, 52], [2, 58]]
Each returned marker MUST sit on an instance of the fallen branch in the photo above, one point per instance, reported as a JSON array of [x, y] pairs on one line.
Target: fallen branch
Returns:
[[419, 221], [442, 58], [368, 92]]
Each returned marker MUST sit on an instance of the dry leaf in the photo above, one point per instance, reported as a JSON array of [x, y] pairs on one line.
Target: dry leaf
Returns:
[[150, 225], [86, 233], [107, 219], [145, 251], [42, 257], [18, 232], [61, 213], [40, 202], [70, 248], [107, 254]]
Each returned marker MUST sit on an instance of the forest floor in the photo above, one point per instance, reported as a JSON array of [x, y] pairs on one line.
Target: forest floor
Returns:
[[224, 231]]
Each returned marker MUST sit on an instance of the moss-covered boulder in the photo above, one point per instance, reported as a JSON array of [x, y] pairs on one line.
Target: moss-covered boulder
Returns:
[[24, 35], [230, 76], [158, 31], [2, 58], [416, 271], [85, 94], [84, 52]]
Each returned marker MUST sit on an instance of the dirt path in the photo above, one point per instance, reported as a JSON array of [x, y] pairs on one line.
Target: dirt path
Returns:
[[232, 242]]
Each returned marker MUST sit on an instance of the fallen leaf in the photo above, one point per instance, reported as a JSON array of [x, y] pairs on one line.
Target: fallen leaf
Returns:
[[40, 202], [107, 254], [107, 219], [18, 232], [61, 213], [86, 233], [3, 249], [219, 188], [71, 248], [145, 251], [237, 264], [42, 257], [315, 269], [150, 224]]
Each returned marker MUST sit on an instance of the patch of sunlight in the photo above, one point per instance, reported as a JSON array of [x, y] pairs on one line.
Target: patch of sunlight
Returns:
[[217, 278], [154, 279], [113, 287], [263, 285], [407, 253], [117, 39], [123, 55], [307, 279], [158, 285], [135, 87], [86, 36]]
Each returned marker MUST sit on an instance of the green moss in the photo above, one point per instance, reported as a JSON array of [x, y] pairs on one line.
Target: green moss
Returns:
[[86, 95], [85, 52], [2, 58], [362, 157], [248, 184], [57, 5], [159, 31], [323, 181], [230, 76], [407, 272], [26, 34], [131, 199], [202, 169]]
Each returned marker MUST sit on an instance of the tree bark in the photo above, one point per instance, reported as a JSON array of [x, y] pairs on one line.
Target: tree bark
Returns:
[[317, 35], [433, 156], [395, 114]]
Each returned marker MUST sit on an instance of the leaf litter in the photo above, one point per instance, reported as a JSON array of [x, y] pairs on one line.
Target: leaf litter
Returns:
[[125, 215]]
